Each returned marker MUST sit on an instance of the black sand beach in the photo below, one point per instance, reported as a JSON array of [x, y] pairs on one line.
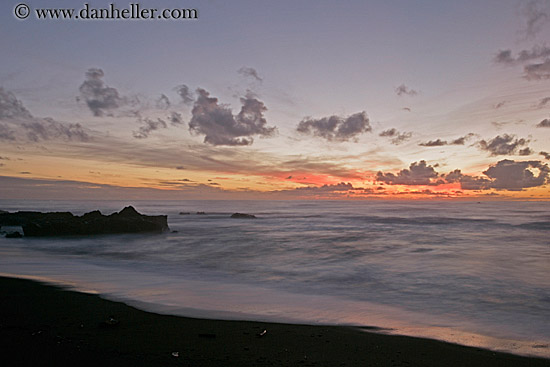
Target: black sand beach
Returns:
[[43, 325]]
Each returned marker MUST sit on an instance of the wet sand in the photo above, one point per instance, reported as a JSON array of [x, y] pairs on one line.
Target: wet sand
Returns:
[[44, 325]]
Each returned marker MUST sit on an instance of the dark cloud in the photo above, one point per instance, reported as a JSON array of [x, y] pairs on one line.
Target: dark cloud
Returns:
[[403, 89], [249, 72], [396, 137], [175, 118], [538, 71], [434, 143], [506, 56], [6, 133], [100, 98], [516, 176], [525, 151], [220, 127], [419, 173], [544, 123], [438, 142], [185, 94], [504, 175], [163, 103], [502, 144], [148, 126], [537, 15], [545, 155], [335, 127], [467, 182], [11, 108]]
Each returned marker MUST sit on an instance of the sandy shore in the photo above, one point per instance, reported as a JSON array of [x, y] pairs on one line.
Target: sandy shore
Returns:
[[42, 325]]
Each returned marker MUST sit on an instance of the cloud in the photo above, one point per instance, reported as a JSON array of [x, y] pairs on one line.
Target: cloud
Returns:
[[185, 94], [397, 137], [163, 103], [504, 175], [506, 56], [249, 72], [502, 144], [468, 182], [544, 123], [516, 176], [11, 107], [543, 102], [19, 121], [419, 173], [538, 71], [148, 126], [439, 142], [403, 89], [500, 104], [537, 15], [220, 127], [100, 98], [175, 118], [434, 143], [6, 133], [47, 128], [336, 128]]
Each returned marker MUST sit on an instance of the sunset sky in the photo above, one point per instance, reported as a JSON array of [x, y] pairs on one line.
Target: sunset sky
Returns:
[[279, 100]]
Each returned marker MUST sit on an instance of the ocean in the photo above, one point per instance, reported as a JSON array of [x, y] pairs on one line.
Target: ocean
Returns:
[[472, 273]]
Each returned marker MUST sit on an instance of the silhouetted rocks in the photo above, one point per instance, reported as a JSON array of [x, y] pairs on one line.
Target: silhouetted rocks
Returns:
[[242, 216], [201, 213], [128, 220], [14, 235], [184, 213]]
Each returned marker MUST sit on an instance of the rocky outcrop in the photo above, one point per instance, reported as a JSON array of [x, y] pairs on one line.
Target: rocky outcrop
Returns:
[[243, 216], [128, 220]]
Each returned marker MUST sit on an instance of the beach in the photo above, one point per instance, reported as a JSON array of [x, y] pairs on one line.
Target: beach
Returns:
[[46, 325]]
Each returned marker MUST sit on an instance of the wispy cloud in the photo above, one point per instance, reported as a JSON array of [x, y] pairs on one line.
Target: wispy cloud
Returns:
[[396, 137], [404, 90], [20, 124], [438, 142], [148, 126], [250, 73], [185, 94]]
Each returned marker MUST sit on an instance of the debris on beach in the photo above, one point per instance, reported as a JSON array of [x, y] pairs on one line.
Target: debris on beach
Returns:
[[262, 333], [110, 322], [175, 354]]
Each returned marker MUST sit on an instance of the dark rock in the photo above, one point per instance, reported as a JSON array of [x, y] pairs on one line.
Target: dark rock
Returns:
[[127, 220], [184, 213], [14, 235], [201, 213], [242, 216], [3, 212]]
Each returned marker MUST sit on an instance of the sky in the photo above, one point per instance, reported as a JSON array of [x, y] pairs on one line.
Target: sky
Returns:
[[277, 100]]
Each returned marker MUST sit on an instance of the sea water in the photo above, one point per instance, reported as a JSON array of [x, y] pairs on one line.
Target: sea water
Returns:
[[467, 272]]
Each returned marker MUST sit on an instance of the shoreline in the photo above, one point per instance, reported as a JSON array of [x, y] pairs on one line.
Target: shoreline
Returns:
[[43, 324]]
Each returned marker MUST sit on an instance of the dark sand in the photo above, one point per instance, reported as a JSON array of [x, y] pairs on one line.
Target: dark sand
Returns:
[[43, 325]]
